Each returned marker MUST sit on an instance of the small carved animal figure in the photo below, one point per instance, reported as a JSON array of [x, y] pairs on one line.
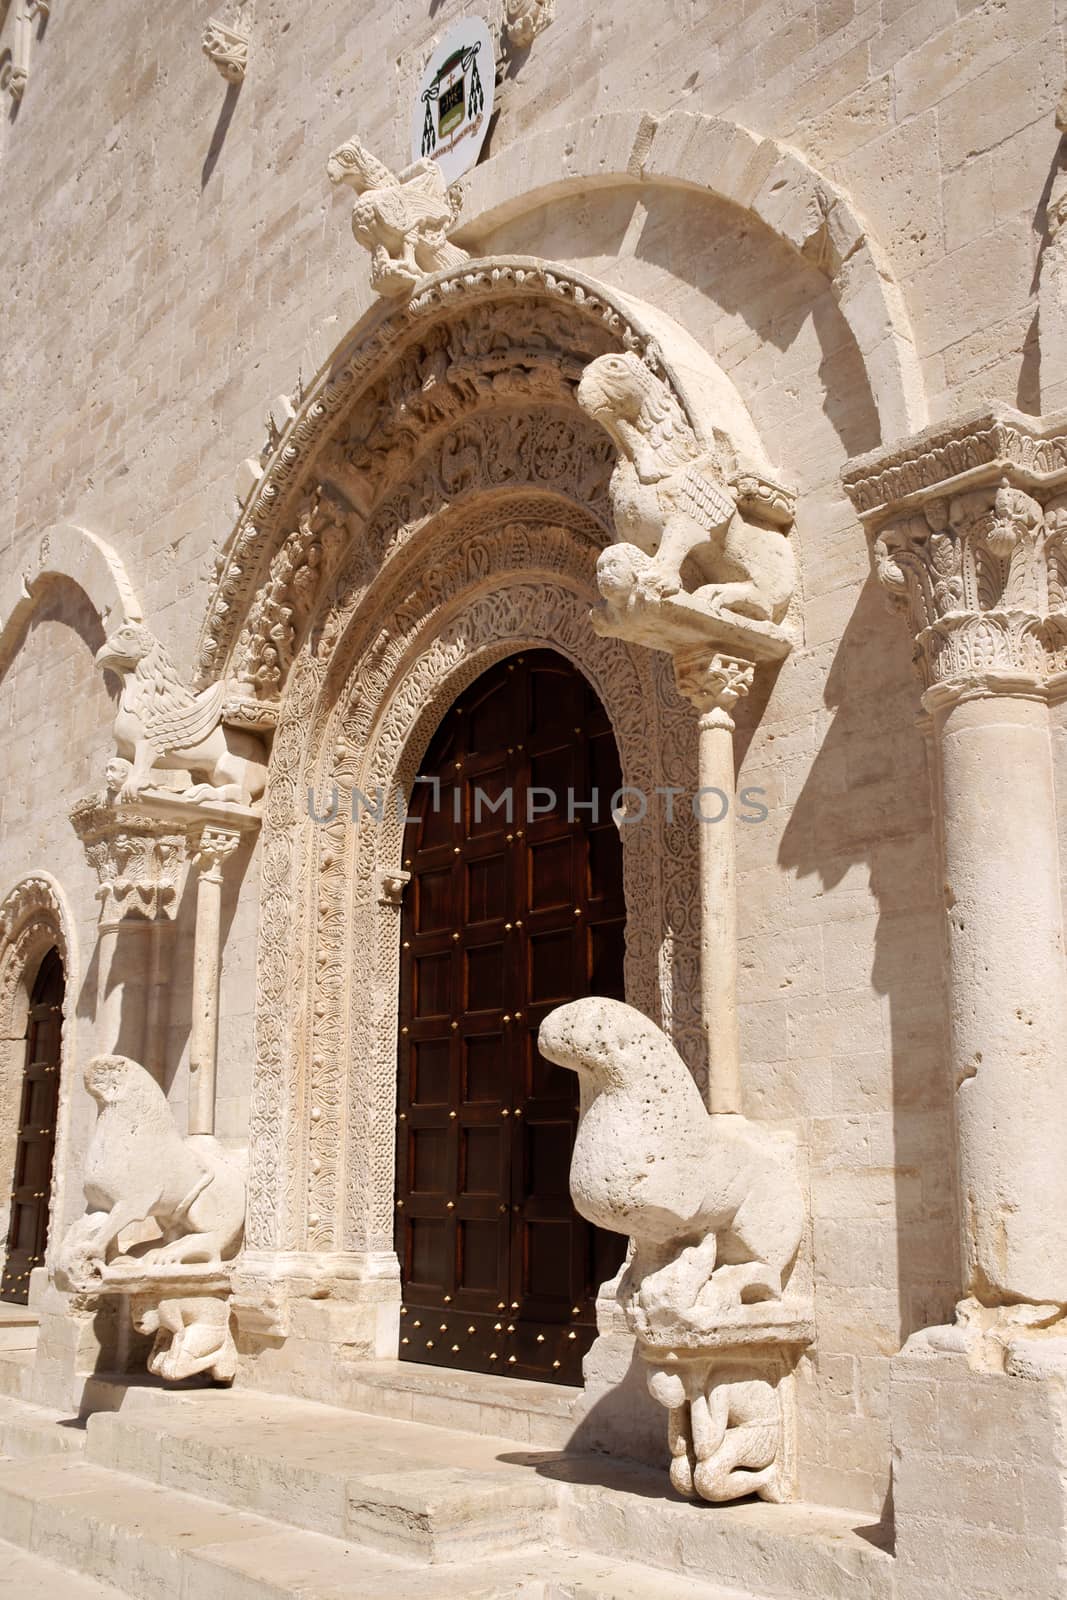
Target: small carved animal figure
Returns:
[[714, 1212], [138, 1167], [162, 724], [403, 221], [670, 499]]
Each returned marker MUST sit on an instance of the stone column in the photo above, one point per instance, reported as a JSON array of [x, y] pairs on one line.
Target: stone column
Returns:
[[715, 655], [967, 525], [966, 540], [140, 859], [713, 683], [213, 846]]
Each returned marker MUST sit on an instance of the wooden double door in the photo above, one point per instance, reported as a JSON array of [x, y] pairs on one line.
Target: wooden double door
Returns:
[[515, 906], [35, 1149]]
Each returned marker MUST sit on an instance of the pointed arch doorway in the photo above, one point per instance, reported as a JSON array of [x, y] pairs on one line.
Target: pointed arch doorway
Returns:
[[515, 905]]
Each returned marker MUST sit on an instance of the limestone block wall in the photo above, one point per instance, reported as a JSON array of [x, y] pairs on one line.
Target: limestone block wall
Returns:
[[182, 260]]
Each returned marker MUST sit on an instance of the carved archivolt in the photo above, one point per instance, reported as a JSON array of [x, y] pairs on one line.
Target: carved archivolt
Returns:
[[467, 386], [34, 918]]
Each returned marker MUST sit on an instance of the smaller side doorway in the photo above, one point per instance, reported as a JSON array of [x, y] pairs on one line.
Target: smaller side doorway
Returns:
[[35, 1149]]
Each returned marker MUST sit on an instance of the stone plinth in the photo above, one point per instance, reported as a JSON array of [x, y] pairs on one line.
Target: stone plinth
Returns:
[[980, 1472]]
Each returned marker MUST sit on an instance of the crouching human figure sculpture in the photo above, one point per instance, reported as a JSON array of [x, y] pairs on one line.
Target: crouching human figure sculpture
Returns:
[[139, 1169], [715, 1215]]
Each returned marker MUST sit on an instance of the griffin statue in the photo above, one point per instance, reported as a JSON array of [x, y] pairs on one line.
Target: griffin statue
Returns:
[[161, 724], [403, 221]]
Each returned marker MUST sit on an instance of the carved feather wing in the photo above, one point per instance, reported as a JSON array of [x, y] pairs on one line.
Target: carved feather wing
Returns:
[[699, 491], [426, 189], [181, 724]]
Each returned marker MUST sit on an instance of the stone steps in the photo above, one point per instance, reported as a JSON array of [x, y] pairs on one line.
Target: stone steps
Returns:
[[28, 1577], [16, 1373], [27, 1432], [423, 1493], [507, 1408], [18, 1327], [151, 1542], [209, 1494]]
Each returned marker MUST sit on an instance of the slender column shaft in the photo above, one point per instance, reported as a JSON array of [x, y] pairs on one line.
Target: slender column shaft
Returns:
[[215, 845], [1008, 995], [718, 915], [714, 683]]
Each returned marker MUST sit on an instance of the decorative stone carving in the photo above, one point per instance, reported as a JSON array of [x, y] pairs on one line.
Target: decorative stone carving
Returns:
[[715, 1215], [15, 62], [162, 725], [508, 329], [966, 523], [227, 47], [403, 221], [525, 19], [190, 1318], [139, 856], [283, 607], [967, 533], [672, 501], [139, 1169]]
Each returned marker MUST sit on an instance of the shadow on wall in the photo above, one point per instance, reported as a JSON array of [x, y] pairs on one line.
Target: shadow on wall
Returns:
[[866, 803], [762, 296]]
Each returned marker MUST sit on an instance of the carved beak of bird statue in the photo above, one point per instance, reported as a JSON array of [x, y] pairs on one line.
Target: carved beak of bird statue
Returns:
[[123, 649], [609, 393]]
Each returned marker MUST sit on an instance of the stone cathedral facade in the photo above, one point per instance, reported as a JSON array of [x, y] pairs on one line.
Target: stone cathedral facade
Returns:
[[533, 1003]]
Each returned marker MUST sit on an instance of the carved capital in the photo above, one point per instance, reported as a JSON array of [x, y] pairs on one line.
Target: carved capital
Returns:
[[227, 48], [713, 683], [139, 859], [967, 531], [213, 848], [391, 886]]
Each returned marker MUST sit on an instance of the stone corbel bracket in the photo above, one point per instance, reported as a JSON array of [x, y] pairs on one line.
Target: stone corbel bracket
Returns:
[[525, 19], [140, 855], [141, 851], [185, 1307], [15, 62], [966, 523], [227, 47]]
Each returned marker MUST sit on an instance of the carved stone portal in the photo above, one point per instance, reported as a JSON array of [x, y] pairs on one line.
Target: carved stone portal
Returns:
[[139, 1170], [715, 1215]]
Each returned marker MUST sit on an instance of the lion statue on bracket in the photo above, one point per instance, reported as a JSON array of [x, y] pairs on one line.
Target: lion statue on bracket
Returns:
[[138, 1169]]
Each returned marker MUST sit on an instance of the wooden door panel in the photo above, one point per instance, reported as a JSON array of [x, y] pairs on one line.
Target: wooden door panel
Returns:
[[506, 916], [35, 1147]]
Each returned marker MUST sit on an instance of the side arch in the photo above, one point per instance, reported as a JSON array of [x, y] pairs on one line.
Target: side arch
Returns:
[[66, 551], [34, 918]]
